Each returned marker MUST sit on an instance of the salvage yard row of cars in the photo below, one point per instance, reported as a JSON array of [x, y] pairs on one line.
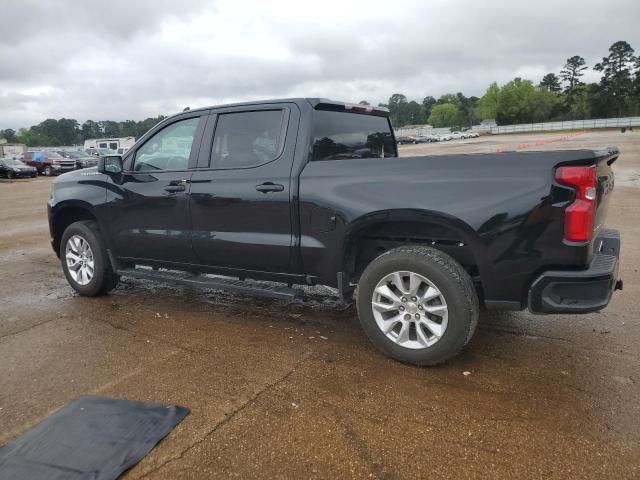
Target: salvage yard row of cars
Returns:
[[48, 163], [436, 138]]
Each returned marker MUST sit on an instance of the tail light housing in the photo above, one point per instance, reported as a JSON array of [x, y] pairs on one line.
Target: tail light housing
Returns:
[[579, 217]]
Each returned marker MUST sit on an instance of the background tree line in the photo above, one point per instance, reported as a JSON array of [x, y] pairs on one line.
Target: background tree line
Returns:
[[561, 96], [67, 131]]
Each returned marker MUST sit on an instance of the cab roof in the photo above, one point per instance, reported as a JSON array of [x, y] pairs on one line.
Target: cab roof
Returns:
[[316, 103]]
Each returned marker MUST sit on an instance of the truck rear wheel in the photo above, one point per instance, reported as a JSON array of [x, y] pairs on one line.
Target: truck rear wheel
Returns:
[[417, 305], [84, 260]]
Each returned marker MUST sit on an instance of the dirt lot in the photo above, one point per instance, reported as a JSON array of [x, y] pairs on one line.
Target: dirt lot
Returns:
[[296, 391]]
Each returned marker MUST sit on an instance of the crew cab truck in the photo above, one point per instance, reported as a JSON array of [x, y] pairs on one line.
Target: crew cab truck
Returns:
[[312, 191], [48, 163]]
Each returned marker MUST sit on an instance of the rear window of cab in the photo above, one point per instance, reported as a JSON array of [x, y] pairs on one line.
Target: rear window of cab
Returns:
[[345, 136]]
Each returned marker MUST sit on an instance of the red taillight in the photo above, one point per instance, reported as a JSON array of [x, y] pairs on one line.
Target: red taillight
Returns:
[[580, 215]]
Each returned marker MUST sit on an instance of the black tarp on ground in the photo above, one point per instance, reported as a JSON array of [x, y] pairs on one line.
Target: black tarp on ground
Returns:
[[91, 438]]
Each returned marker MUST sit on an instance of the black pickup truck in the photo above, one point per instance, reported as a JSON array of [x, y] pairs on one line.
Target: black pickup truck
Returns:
[[312, 191]]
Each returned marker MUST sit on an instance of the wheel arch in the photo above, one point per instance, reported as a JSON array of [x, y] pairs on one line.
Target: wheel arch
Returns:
[[372, 234], [66, 213]]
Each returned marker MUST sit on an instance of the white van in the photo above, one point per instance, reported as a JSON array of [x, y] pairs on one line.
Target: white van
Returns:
[[119, 145]]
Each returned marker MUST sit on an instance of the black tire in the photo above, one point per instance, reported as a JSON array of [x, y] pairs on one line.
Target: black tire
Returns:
[[10, 175], [448, 276], [104, 278], [47, 171]]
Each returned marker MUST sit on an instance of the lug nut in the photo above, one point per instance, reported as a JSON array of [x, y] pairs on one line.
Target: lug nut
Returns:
[[417, 316], [404, 299], [401, 308], [413, 299], [420, 307], [407, 317]]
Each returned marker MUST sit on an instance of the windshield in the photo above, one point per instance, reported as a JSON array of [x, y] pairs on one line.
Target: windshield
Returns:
[[10, 162], [53, 155], [341, 136], [76, 154]]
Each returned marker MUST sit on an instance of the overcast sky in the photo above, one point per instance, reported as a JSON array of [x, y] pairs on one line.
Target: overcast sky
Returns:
[[131, 59]]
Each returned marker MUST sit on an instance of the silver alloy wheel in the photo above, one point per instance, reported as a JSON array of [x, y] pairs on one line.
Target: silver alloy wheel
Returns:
[[409, 309], [79, 259]]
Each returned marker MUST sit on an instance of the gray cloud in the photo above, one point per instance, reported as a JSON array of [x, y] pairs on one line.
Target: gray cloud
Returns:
[[133, 59]]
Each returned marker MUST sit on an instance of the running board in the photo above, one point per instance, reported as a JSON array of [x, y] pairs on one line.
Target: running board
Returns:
[[216, 283]]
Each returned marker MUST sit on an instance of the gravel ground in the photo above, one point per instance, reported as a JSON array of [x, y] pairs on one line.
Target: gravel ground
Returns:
[[296, 391]]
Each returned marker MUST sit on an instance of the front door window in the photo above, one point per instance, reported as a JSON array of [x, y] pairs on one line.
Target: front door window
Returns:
[[168, 149]]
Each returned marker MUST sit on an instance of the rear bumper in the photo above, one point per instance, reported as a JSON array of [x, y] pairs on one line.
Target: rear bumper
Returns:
[[580, 291]]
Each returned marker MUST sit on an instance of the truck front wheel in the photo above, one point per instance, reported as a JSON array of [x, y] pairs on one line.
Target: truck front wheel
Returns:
[[84, 260], [417, 305]]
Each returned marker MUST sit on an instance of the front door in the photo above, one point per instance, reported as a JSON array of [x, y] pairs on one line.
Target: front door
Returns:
[[148, 207], [240, 200]]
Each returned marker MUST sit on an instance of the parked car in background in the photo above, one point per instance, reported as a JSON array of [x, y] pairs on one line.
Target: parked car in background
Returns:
[[49, 163], [82, 159], [428, 139], [401, 140], [13, 168], [99, 152], [445, 137]]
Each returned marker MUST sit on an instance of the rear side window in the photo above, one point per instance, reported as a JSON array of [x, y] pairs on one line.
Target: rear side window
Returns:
[[247, 139], [343, 136]]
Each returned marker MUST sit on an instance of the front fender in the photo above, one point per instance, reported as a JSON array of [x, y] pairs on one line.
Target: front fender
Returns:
[[74, 196]]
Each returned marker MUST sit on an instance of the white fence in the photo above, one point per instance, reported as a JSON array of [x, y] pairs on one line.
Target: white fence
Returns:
[[569, 125], [626, 122]]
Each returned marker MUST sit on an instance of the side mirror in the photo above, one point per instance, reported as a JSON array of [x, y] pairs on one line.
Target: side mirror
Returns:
[[110, 164]]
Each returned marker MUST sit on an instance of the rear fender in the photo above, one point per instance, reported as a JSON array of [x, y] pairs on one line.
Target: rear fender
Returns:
[[414, 226]]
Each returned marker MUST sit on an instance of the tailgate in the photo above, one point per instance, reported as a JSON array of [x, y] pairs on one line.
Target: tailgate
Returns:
[[604, 172]]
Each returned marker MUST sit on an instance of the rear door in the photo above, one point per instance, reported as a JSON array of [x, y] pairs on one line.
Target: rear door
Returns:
[[241, 193], [148, 206]]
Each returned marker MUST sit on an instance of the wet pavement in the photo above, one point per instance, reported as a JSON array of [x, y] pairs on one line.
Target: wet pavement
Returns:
[[281, 390]]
